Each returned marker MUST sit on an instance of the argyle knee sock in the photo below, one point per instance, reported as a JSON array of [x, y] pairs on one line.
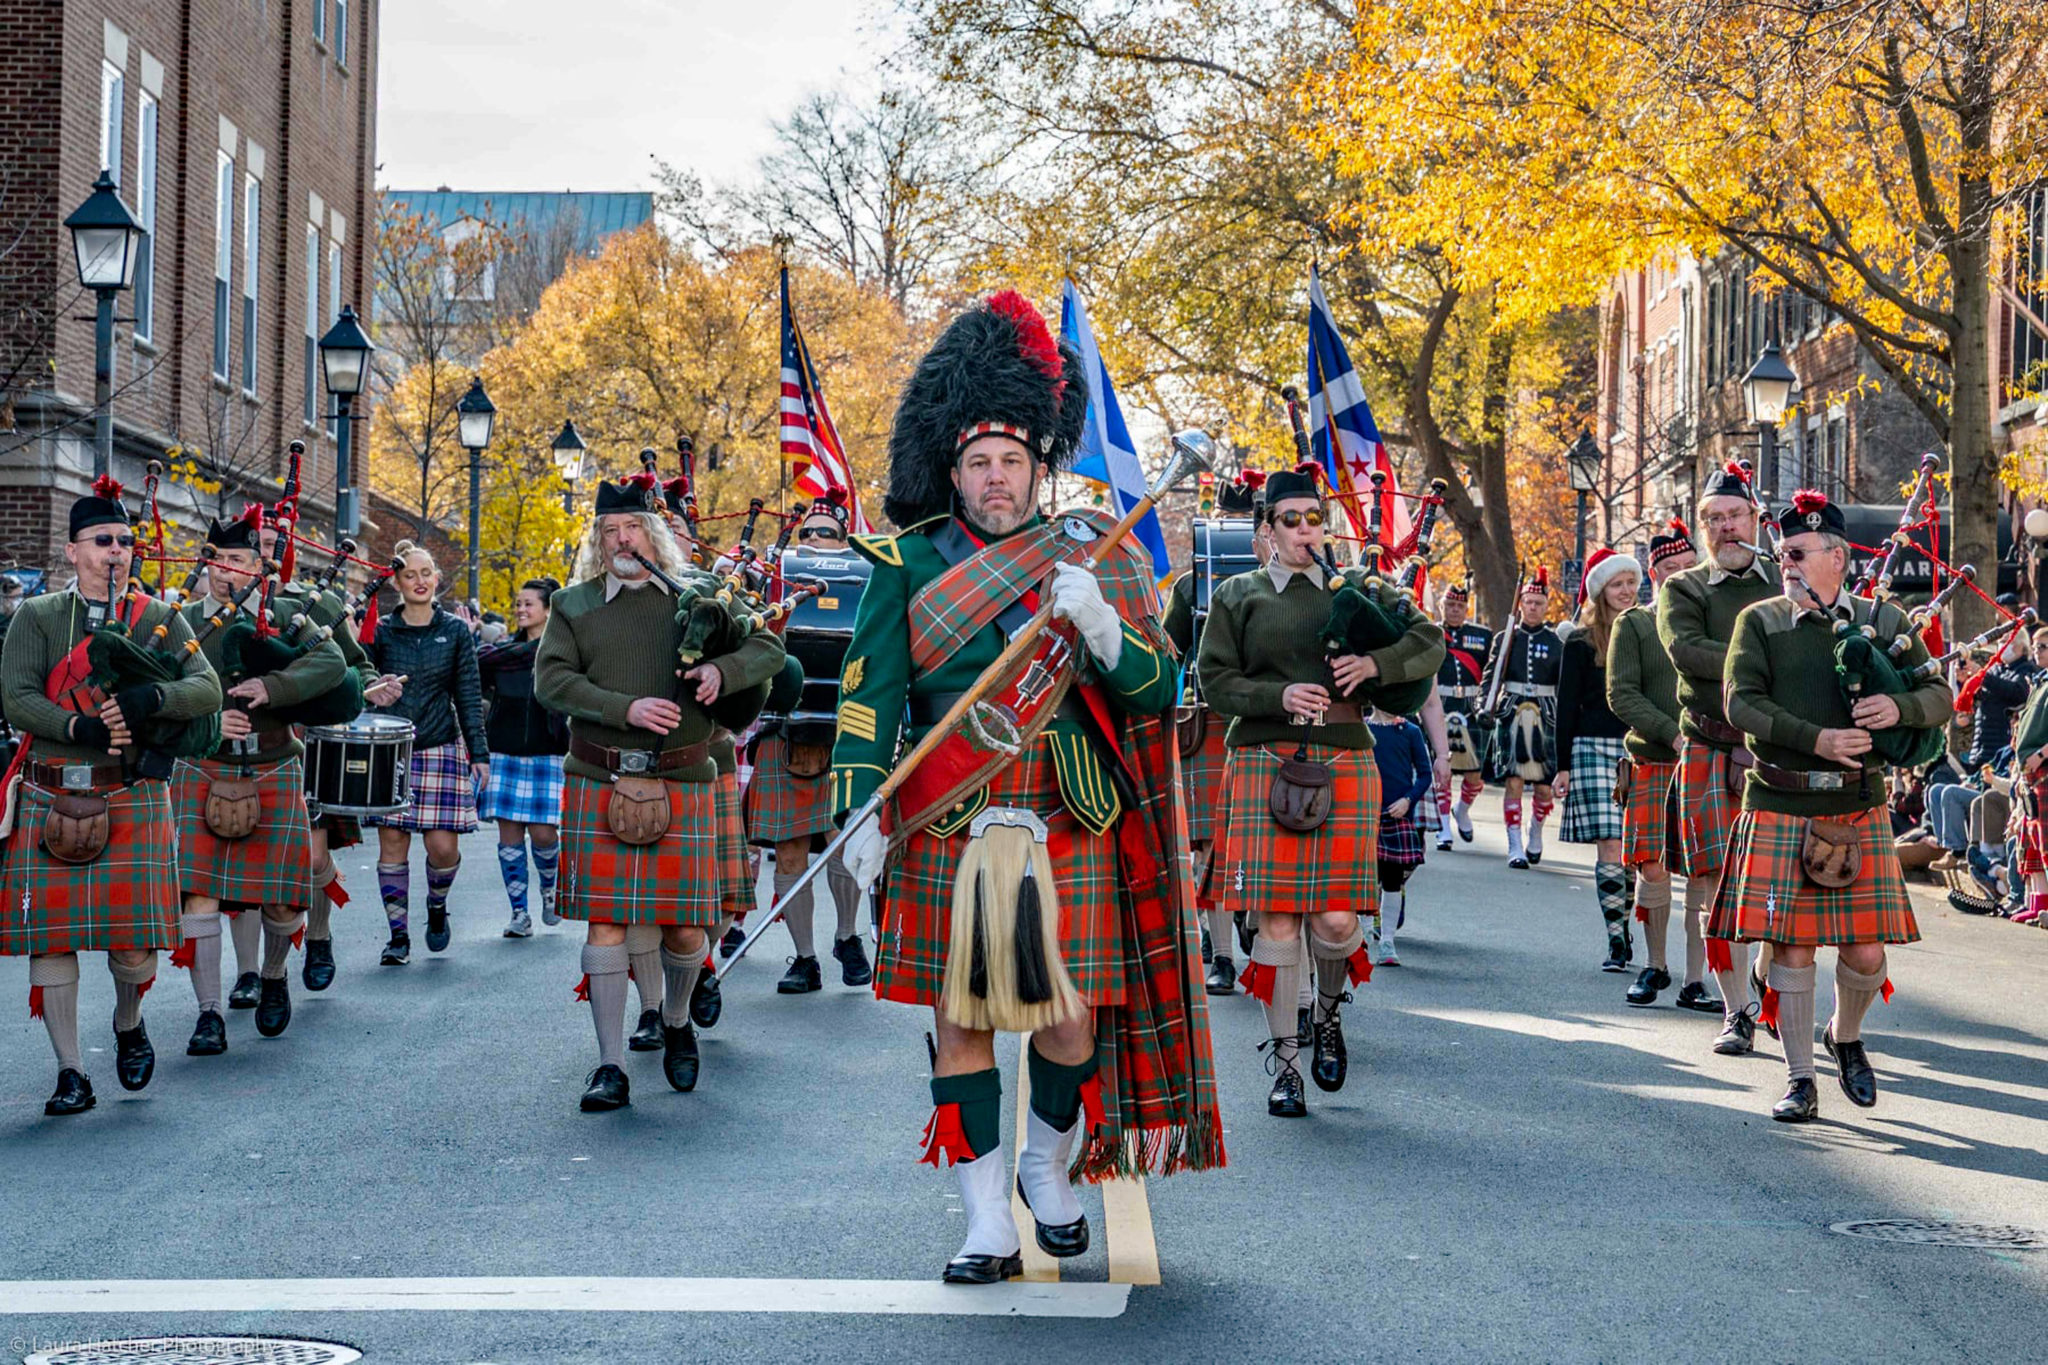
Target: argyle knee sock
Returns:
[[1222, 935], [547, 861], [967, 1117], [53, 984], [1610, 885], [1283, 960], [796, 911], [1333, 966], [606, 968], [512, 867], [679, 982], [202, 934], [1511, 816], [1794, 986], [394, 885], [246, 928], [643, 952], [277, 942], [439, 880], [1540, 809], [845, 898], [1854, 991], [1056, 1086], [131, 982], [1653, 907]]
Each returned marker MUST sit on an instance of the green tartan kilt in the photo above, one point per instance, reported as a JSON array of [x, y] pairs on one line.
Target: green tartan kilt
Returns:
[[1335, 867], [673, 880], [1764, 895], [127, 898], [1201, 782], [917, 903], [735, 886], [273, 864], [1649, 814], [1706, 808], [780, 806]]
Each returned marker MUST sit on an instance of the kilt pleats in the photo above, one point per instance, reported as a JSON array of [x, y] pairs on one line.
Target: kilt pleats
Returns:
[[671, 881], [1590, 814], [127, 898], [1201, 781], [735, 885], [1706, 808], [1332, 868], [273, 864], [1647, 820], [1764, 895], [783, 806]]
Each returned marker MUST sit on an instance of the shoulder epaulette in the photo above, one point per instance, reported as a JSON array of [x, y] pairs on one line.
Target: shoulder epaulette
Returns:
[[878, 550]]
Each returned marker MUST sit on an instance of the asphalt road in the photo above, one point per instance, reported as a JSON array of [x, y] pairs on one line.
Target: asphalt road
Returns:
[[1521, 1168]]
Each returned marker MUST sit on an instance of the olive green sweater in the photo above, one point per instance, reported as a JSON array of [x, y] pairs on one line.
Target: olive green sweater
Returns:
[[310, 675], [1696, 622], [1783, 691], [44, 631], [1258, 640], [1642, 686], [597, 658]]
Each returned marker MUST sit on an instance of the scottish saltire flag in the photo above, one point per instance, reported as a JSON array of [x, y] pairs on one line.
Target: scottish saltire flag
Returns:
[[1344, 438], [1107, 454], [810, 443]]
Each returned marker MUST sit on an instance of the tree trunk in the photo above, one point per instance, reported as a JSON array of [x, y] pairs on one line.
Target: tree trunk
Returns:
[[1491, 555], [1973, 457]]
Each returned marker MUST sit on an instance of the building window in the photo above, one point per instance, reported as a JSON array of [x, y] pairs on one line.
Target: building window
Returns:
[[333, 307], [223, 258], [319, 21], [145, 213], [312, 324], [341, 32], [1831, 477], [1713, 331], [2029, 375], [112, 93], [253, 204]]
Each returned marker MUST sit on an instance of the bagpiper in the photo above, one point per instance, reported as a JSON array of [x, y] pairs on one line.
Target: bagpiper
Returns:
[[87, 816], [1040, 890], [1522, 668], [1811, 861], [1467, 644]]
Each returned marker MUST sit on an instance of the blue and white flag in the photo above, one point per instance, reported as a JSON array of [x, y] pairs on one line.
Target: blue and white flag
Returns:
[[1344, 438], [1107, 454]]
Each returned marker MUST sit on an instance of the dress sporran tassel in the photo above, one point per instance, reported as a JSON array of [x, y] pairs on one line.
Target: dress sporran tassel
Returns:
[[1004, 969]]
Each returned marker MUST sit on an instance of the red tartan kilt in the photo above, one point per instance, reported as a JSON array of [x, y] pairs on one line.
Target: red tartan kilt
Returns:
[[273, 864], [1646, 819], [735, 886], [2032, 833], [917, 904], [1201, 782], [127, 898], [781, 806], [1261, 866], [1706, 808], [671, 881], [1764, 895], [343, 831]]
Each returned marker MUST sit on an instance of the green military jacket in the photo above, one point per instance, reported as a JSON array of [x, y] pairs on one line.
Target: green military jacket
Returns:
[[1642, 686], [310, 675]]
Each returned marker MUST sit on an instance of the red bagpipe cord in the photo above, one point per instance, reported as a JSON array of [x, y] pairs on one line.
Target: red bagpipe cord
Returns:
[[945, 1139], [1720, 955], [1358, 967], [1257, 980]]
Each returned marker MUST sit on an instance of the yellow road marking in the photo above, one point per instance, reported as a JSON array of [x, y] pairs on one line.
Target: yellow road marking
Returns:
[[1037, 1265], [1127, 1232]]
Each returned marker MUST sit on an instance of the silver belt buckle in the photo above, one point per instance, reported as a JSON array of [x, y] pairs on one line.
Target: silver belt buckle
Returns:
[[78, 777], [1014, 817], [1825, 781], [245, 745], [636, 761]]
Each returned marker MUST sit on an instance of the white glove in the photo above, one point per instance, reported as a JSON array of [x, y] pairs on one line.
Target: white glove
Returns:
[[1077, 597], [863, 854]]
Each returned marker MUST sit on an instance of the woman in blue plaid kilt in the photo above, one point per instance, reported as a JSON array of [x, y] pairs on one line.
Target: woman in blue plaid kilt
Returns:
[[527, 742], [1590, 742]]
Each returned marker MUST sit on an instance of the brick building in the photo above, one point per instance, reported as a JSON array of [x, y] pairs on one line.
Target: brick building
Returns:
[[242, 134]]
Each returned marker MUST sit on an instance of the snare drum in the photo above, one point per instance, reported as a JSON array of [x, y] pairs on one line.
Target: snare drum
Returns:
[[361, 768]]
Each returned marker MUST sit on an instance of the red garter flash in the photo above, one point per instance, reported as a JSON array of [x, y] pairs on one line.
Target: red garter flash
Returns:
[[186, 955], [35, 1002], [1642, 914], [299, 937], [1720, 955], [1257, 981], [1886, 988], [336, 892], [1767, 1013], [1358, 967], [583, 987], [143, 989], [1091, 1103], [945, 1137]]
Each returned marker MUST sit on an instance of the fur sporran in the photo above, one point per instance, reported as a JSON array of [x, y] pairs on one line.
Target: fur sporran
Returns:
[[1831, 853], [1465, 755], [76, 827], [233, 807], [1530, 744], [638, 809], [1003, 965], [1301, 794], [808, 761]]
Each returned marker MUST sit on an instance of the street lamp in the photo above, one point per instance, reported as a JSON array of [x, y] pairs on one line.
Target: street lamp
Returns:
[[344, 362], [569, 451], [474, 417], [1766, 391], [1582, 468], [107, 241]]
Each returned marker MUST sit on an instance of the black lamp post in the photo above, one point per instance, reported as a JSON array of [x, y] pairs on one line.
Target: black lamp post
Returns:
[[107, 242], [1582, 468], [474, 417], [1766, 391], [569, 451], [344, 364]]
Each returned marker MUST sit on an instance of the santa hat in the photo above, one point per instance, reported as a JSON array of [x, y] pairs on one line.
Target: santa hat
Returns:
[[1673, 540], [1603, 566]]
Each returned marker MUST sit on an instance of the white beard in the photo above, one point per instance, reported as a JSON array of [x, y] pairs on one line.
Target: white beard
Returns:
[[627, 567], [1733, 558]]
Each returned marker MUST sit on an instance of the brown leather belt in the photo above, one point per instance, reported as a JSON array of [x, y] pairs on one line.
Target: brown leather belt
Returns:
[[75, 776], [640, 762], [1804, 780], [1336, 713], [1719, 732]]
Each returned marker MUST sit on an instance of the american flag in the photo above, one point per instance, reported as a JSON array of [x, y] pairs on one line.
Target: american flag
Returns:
[[810, 443]]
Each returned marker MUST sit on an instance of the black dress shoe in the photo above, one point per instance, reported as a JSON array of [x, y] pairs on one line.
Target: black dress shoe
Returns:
[[437, 928], [801, 978], [1648, 982], [209, 1036], [1331, 1063], [606, 1088], [1801, 1103], [274, 1010], [1287, 1099], [398, 951], [729, 942], [248, 990], [707, 1001], [134, 1058], [1519, 864], [318, 972], [73, 1094], [1693, 996], [1302, 1032], [1618, 956], [852, 956], [1222, 977], [1852, 1069], [1060, 1240], [1535, 858], [647, 1033], [1738, 1036], [679, 1057], [984, 1269]]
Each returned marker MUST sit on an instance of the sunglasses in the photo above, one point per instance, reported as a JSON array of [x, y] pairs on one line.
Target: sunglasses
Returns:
[[1798, 556], [107, 541], [1293, 519], [818, 533]]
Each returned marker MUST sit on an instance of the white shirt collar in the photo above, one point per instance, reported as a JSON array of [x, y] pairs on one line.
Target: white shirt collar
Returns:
[[614, 585], [1716, 575], [1281, 574]]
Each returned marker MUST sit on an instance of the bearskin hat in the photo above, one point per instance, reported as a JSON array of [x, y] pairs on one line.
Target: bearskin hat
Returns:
[[101, 507], [996, 368]]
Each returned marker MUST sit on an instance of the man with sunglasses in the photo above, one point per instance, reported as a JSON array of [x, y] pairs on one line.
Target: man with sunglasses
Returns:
[[1810, 861], [88, 863], [1527, 658]]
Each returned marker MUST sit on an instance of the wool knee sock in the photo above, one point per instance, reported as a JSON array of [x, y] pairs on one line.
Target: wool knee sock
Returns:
[[1794, 986], [1443, 800], [53, 983], [1854, 991], [320, 917], [974, 1104], [512, 867], [643, 952], [1695, 948], [394, 884], [131, 982], [439, 880], [1540, 810], [1653, 907], [1056, 1087], [246, 928], [1222, 934], [845, 898], [679, 982], [796, 911], [1511, 816], [547, 861], [277, 942], [1469, 789], [202, 935], [606, 968], [1733, 979], [1305, 997], [1610, 884], [1283, 961], [1333, 968]]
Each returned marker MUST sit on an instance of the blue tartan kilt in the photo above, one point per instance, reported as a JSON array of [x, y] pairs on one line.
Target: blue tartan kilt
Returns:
[[1589, 810], [526, 788], [1400, 840]]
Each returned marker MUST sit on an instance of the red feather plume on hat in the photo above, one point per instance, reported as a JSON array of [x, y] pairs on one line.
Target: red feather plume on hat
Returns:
[[108, 487], [644, 481], [1034, 338], [1538, 581], [1677, 528], [1253, 479], [252, 516], [1808, 500], [837, 496], [1734, 469]]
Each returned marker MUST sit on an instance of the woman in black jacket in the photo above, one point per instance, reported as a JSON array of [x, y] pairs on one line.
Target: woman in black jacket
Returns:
[[426, 672], [1590, 743], [527, 743]]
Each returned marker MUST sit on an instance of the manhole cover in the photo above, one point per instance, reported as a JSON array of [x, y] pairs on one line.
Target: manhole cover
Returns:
[[200, 1351], [1933, 1233]]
